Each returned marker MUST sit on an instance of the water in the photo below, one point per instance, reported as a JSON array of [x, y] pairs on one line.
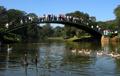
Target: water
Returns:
[[59, 59]]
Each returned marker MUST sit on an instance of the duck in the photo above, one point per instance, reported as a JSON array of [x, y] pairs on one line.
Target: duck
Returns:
[[87, 52], [80, 51], [99, 53], [115, 55], [118, 56], [73, 51], [111, 54]]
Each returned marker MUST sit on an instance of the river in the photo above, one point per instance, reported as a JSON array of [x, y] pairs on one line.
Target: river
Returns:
[[57, 58]]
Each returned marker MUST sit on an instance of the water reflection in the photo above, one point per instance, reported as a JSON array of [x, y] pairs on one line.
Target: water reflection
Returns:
[[61, 59]]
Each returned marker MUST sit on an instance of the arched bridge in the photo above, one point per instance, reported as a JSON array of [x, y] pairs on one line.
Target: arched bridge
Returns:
[[71, 21]]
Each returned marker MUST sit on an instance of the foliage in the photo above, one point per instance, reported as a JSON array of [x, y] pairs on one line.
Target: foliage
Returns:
[[117, 13], [14, 18], [58, 31]]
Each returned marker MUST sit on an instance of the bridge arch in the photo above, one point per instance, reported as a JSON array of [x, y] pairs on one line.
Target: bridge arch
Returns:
[[74, 22], [96, 34]]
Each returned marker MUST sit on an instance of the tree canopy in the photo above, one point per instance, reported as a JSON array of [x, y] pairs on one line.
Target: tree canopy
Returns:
[[117, 13]]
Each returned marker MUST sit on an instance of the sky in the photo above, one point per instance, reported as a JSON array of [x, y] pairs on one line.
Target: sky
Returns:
[[103, 10]]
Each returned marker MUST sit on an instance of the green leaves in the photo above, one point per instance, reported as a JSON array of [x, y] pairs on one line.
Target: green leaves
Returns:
[[117, 13]]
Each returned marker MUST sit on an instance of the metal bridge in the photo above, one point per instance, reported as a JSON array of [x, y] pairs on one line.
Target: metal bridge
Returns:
[[71, 21]]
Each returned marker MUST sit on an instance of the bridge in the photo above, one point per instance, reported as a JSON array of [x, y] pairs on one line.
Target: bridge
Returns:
[[71, 21]]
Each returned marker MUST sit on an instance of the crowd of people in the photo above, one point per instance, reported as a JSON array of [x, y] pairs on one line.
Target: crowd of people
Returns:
[[61, 18]]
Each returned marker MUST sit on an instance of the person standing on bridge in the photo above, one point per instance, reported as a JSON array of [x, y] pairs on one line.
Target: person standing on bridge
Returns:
[[44, 17], [67, 18], [71, 19], [60, 17], [40, 19], [54, 18], [49, 17]]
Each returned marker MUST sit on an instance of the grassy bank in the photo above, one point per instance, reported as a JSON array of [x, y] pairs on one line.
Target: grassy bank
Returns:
[[55, 38], [75, 38]]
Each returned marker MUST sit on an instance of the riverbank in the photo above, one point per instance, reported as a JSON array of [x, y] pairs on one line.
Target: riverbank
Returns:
[[63, 39], [74, 39], [55, 38]]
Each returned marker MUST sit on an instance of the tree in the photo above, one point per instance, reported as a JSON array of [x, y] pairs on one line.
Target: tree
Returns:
[[47, 30], [58, 31], [33, 29], [93, 19], [2, 10], [14, 17], [117, 13], [3, 17]]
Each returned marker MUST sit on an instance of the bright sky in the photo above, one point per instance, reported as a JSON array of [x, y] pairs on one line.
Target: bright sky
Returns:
[[101, 9]]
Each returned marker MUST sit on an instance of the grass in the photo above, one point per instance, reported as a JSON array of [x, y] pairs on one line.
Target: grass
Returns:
[[76, 38], [70, 39], [55, 38]]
